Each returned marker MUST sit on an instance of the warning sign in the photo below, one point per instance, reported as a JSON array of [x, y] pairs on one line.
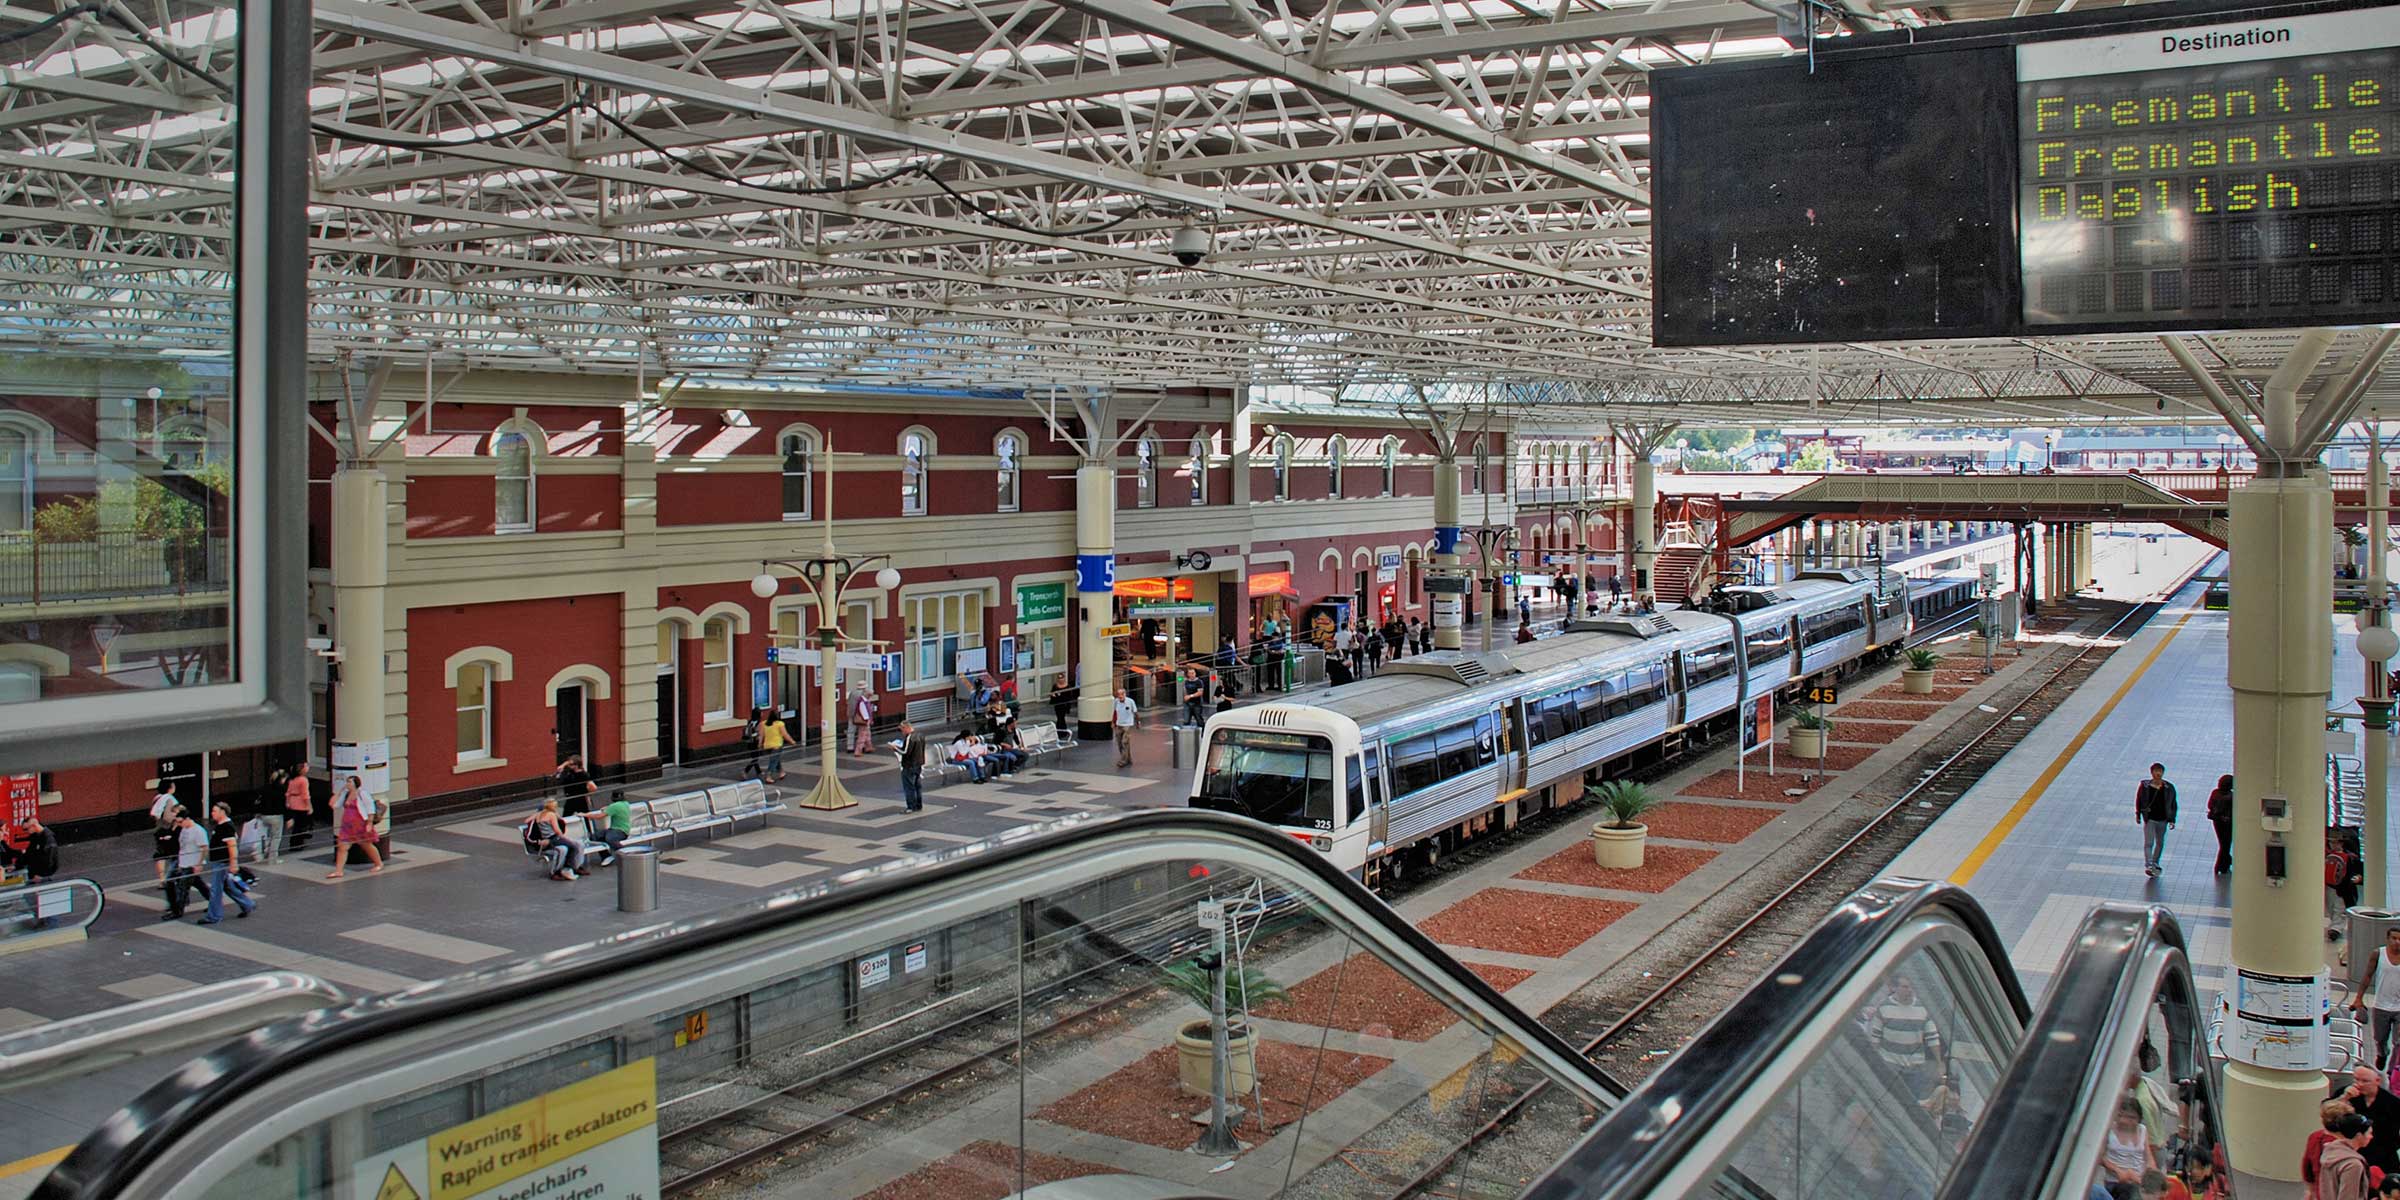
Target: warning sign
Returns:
[[594, 1140]]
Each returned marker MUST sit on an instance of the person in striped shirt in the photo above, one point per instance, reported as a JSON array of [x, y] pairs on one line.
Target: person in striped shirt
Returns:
[[1905, 1034]]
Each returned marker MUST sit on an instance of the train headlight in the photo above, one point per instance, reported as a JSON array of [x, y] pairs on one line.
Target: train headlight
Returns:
[[1321, 843]]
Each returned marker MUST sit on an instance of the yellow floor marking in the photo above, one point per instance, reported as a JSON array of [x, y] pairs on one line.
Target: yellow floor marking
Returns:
[[42, 1161], [1999, 834]]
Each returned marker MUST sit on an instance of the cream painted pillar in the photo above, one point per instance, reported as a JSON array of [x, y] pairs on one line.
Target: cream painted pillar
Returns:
[[1448, 607], [1095, 585], [361, 573], [637, 621], [1645, 522], [2279, 663], [2376, 701], [2085, 557]]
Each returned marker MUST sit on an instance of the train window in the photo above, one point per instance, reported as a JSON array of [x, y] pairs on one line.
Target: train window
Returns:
[[1374, 779], [1458, 750], [1490, 738], [1416, 764], [1280, 778], [1591, 703], [1358, 795], [1764, 646], [1550, 718]]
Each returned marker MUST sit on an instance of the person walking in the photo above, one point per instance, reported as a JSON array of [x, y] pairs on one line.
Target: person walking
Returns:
[[575, 786], [772, 738], [224, 858], [2154, 811], [1524, 607], [165, 841], [911, 748], [1195, 696], [299, 809], [1125, 714], [191, 859], [862, 721], [354, 825], [2374, 1102], [164, 802], [35, 852], [2382, 985], [1616, 591], [2220, 815], [1375, 644], [2342, 1167], [270, 818]]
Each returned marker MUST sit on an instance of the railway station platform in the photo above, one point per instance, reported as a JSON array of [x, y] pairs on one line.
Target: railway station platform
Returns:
[[2048, 832]]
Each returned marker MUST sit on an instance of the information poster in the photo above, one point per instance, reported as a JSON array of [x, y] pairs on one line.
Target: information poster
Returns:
[[2278, 1021], [24, 796], [593, 1140], [370, 761]]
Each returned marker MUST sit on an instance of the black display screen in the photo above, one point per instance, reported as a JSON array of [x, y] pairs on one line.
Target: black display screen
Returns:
[[1861, 200], [2221, 193]]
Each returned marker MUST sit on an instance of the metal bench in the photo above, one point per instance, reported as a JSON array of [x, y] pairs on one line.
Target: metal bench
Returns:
[[681, 819], [745, 801], [1042, 740]]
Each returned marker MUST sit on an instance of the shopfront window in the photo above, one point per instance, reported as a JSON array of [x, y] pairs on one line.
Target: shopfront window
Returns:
[[938, 626]]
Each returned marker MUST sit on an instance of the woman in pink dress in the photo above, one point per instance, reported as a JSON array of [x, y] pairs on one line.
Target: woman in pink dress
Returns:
[[354, 825]]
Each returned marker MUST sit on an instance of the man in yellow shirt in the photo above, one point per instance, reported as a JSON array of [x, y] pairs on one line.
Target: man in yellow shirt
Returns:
[[772, 738]]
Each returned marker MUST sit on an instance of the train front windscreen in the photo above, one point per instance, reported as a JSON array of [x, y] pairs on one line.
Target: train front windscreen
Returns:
[[1280, 778]]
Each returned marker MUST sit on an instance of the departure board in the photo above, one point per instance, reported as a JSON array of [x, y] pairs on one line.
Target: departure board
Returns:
[[2211, 175]]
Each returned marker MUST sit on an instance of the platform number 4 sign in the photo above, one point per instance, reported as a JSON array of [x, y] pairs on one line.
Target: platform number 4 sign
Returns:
[[1822, 693], [695, 1027]]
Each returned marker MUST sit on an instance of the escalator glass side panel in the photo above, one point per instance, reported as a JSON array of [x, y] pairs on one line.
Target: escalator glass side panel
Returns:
[[1854, 1069], [2113, 1091], [1033, 1015]]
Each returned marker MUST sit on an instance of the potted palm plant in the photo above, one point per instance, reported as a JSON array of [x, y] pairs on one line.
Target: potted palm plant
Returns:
[[1809, 731], [1195, 1047], [1917, 678], [1617, 842]]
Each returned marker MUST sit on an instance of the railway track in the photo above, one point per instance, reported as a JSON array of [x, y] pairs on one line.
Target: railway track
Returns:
[[1679, 1004]]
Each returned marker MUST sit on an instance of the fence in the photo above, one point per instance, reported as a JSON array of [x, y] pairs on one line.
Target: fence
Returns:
[[110, 566]]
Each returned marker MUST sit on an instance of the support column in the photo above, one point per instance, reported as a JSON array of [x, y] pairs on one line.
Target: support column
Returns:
[[1095, 582], [2376, 702], [2279, 664], [361, 566], [637, 620], [1448, 607], [1645, 522], [2087, 555]]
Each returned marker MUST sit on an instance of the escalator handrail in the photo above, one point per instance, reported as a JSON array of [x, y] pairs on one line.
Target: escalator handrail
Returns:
[[2070, 1049], [1632, 1149], [104, 1165]]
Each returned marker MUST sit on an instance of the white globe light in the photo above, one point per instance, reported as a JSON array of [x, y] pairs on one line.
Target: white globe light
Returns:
[[887, 579], [764, 585], [2377, 643]]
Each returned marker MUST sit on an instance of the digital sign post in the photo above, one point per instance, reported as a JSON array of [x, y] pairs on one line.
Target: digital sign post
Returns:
[[2236, 174]]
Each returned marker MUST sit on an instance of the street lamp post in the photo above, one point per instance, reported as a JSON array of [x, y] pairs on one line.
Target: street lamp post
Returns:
[[1490, 541], [827, 576]]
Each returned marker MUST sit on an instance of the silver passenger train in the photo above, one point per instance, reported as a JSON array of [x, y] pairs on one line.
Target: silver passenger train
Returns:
[[1389, 772]]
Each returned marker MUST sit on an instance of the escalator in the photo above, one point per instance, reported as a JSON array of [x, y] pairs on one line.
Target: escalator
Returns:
[[1037, 1016]]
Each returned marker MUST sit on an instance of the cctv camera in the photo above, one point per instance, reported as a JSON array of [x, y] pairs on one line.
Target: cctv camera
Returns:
[[1189, 247]]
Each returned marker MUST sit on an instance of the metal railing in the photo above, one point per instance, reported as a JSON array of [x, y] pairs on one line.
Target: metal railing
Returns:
[[199, 1016], [39, 909], [109, 566]]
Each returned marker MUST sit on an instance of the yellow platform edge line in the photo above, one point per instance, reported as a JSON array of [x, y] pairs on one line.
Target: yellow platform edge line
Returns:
[[37, 1162], [1993, 840]]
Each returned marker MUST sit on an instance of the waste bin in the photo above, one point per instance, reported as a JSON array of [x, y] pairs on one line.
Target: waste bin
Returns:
[[637, 879], [1187, 745], [2366, 927]]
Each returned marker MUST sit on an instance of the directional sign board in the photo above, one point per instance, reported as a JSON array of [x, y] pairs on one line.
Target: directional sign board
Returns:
[[1116, 631], [847, 660], [1185, 609], [1449, 585], [598, 1137]]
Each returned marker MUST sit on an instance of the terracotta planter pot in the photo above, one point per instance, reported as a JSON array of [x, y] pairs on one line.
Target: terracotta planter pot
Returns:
[[1808, 743], [1916, 683], [1619, 849], [1194, 1052]]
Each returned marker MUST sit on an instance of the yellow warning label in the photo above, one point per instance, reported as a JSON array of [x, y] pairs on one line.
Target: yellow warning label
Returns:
[[396, 1186], [469, 1158]]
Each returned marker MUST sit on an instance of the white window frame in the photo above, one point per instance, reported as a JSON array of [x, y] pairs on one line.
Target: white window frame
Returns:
[[1391, 466], [1008, 458], [20, 483], [483, 670], [1281, 464], [943, 641], [1198, 465], [533, 439], [720, 699], [1337, 454], [1145, 472], [806, 440], [1483, 462], [917, 471]]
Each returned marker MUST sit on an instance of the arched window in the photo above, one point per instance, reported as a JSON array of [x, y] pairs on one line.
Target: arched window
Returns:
[[1145, 473], [916, 459], [1005, 450], [1583, 467], [474, 693], [1483, 463], [1391, 466], [1336, 453], [1197, 464], [512, 454], [716, 668], [1282, 467], [799, 473], [16, 481]]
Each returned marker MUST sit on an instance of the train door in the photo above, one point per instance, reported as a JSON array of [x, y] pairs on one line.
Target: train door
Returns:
[[1791, 628], [1675, 689], [1377, 811], [1517, 720]]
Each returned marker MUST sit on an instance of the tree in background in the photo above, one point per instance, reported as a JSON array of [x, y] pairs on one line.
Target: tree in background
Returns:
[[1815, 456]]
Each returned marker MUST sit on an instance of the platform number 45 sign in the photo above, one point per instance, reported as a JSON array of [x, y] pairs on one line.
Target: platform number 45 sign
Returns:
[[1822, 693]]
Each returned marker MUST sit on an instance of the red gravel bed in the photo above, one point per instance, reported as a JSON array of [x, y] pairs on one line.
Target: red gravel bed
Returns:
[[1838, 757], [1761, 786], [984, 1171], [1888, 710], [1365, 995], [1941, 694], [1868, 733], [1694, 822], [1523, 922], [1662, 867], [1142, 1102]]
